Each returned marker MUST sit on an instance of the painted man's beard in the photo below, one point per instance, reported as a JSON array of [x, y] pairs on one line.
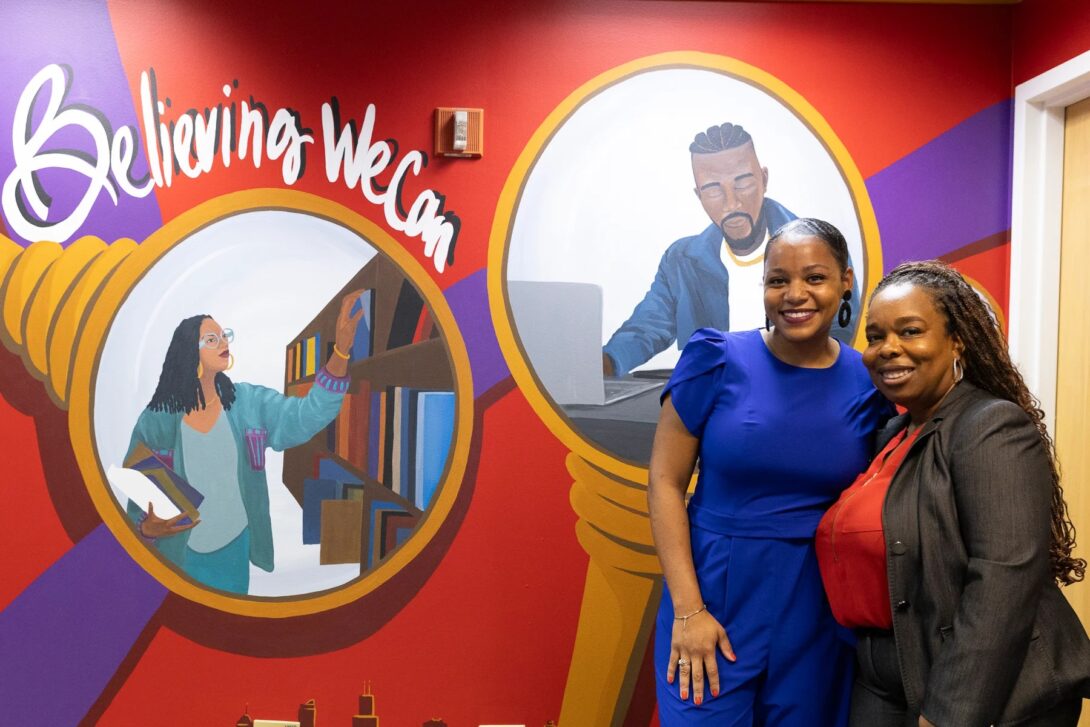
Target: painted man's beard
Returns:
[[749, 243]]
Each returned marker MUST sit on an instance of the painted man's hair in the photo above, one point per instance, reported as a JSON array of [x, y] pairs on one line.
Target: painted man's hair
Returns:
[[179, 388], [720, 138]]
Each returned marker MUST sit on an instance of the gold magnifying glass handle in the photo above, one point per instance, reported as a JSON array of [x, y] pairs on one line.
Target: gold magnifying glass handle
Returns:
[[45, 291], [620, 594]]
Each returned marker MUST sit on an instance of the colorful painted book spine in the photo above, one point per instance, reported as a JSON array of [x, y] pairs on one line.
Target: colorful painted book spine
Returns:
[[341, 523], [424, 326], [396, 431], [359, 421], [406, 314], [315, 492], [408, 445], [344, 427], [311, 356], [395, 529], [362, 344], [434, 432], [374, 422], [329, 469], [385, 423]]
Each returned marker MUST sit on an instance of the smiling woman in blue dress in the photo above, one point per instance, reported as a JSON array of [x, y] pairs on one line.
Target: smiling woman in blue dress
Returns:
[[214, 433], [781, 421]]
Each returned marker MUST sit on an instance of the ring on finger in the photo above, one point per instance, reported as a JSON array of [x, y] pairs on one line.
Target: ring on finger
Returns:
[[682, 663]]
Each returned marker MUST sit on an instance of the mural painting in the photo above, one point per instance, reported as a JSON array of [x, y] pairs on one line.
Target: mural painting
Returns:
[[304, 426], [545, 293]]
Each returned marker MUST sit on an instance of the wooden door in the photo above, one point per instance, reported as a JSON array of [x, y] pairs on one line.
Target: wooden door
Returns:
[[1073, 353]]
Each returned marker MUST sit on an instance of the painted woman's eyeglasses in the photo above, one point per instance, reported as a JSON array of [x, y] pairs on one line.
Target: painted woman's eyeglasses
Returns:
[[212, 340]]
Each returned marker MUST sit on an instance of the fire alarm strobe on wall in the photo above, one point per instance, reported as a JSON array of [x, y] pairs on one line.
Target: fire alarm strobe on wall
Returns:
[[459, 132]]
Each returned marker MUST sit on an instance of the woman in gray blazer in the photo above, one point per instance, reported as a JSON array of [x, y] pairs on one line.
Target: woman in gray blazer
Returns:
[[950, 577]]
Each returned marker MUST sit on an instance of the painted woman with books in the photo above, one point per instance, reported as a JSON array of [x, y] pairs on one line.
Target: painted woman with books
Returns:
[[213, 433]]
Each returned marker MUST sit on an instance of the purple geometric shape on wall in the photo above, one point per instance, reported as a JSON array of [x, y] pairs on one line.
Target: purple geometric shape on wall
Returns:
[[950, 192], [77, 35], [468, 300], [65, 636]]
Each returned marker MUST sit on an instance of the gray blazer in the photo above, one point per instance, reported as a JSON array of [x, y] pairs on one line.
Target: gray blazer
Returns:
[[984, 635]]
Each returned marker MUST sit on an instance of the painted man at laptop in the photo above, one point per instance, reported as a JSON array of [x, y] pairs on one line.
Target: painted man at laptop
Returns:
[[713, 279]]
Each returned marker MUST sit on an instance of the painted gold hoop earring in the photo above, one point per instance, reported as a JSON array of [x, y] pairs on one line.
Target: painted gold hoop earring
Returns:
[[200, 369], [230, 362], [959, 370]]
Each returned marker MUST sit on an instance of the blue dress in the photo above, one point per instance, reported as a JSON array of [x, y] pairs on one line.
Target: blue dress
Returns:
[[778, 443]]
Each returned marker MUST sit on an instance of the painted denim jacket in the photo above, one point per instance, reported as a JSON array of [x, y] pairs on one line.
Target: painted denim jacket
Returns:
[[689, 292], [260, 417]]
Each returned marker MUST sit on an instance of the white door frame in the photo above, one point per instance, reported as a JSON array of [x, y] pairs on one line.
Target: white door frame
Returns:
[[1036, 211]]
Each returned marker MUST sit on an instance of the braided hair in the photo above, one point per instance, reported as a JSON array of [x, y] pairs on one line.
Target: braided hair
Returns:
[[988, 366], [179, 388], [720, 138]]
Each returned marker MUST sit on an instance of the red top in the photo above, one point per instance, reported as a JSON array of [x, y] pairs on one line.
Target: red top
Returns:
[[851, 547]]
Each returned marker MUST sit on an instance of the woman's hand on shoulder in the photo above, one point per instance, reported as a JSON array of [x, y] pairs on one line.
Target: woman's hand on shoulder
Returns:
[[693, 644]]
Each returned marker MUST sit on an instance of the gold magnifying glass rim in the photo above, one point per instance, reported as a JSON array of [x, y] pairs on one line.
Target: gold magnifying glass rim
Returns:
[[503, 224], [91, 342]]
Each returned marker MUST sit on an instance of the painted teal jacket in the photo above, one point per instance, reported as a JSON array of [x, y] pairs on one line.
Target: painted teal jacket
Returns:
[[260, 417]]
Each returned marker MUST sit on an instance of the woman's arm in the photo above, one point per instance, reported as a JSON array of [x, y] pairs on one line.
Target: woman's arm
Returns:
[[1002, 488], [694, 639], [290, 420]]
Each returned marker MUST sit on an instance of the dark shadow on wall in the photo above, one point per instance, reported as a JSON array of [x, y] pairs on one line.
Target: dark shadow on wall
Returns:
[[63, 479], [124, 671], [642, 708]]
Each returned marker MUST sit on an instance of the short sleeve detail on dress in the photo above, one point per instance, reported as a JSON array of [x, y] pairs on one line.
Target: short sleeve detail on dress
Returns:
[[693, 387]]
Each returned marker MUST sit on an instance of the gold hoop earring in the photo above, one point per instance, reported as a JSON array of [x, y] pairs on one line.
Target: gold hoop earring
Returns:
[[200, 369], [959, 370], [230, 362]]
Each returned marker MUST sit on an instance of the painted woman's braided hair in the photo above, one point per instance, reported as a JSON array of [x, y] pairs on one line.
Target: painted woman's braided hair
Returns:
[[987, 365], [179, 388]]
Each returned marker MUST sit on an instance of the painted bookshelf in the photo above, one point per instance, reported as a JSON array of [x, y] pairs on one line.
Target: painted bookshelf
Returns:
[[366, 481]]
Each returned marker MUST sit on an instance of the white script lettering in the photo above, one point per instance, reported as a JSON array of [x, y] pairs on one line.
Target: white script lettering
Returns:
[[361, 160]]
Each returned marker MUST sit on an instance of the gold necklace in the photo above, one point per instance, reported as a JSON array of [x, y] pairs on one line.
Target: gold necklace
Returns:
[[739, 261]]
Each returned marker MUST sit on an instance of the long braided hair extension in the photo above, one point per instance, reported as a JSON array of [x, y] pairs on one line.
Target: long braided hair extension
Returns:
[[987, 364], [179, 388]]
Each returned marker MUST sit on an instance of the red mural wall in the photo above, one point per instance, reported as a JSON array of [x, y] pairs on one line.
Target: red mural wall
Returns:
[[1046, 33], [487, 638]]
